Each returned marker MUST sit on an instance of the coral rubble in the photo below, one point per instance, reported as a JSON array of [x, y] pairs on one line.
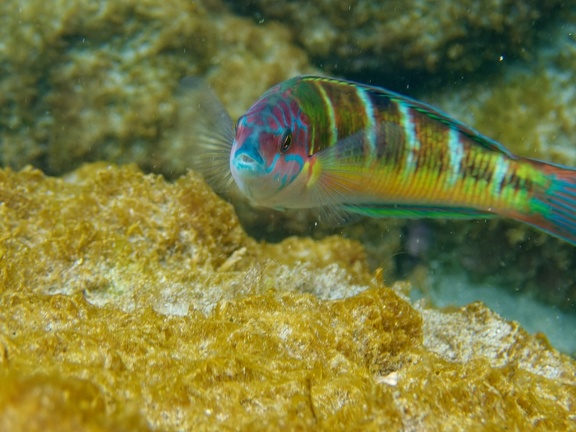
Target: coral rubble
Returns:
[[131, 303]]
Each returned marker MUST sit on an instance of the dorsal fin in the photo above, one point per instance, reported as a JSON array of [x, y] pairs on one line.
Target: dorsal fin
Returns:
[[441, 117], [428, 110]]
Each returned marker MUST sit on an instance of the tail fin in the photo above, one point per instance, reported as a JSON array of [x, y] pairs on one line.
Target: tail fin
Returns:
[[558, 202]]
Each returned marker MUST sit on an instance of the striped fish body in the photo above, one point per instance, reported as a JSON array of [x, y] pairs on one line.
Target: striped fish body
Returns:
[[321, 142]]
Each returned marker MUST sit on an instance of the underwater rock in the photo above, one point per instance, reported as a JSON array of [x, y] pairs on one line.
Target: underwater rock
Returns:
[[90, 81], [131, 303], [117, 235], [392, 38]]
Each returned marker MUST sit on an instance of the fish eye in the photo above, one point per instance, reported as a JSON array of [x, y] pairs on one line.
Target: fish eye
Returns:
[[286, 141]]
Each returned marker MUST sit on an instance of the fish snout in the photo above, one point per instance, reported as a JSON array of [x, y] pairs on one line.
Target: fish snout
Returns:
[[248, 162], [252, 176]]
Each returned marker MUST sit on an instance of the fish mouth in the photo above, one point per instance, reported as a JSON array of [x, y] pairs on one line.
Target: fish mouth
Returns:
[[248, 163], [253, 180], [253, 176]]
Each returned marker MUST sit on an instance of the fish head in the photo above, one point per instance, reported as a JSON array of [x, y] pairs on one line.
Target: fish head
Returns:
[[270, 150]]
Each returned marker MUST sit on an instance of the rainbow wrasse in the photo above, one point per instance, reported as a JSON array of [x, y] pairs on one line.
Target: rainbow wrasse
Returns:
[[351, 148]]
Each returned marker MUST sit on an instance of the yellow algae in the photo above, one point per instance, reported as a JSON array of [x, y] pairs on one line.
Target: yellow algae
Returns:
[[127, 302], [286, 357], [40, 402]]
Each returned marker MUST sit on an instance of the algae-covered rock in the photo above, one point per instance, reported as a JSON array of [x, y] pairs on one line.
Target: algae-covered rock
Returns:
[[390, 38], [90, 80], [128, 303], [117, 235]]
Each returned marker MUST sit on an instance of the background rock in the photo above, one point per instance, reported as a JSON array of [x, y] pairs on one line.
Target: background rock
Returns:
[[388, 39], [89, 81]]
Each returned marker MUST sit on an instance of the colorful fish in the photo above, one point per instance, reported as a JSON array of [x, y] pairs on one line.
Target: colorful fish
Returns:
[[350, 148]]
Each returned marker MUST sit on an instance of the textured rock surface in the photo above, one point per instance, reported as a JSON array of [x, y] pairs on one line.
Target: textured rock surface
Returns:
[[89, 81], [129, 303], [393, 37], [84, 81]]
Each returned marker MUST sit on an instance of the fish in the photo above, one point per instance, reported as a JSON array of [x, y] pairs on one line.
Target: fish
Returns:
[[351, 149]]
